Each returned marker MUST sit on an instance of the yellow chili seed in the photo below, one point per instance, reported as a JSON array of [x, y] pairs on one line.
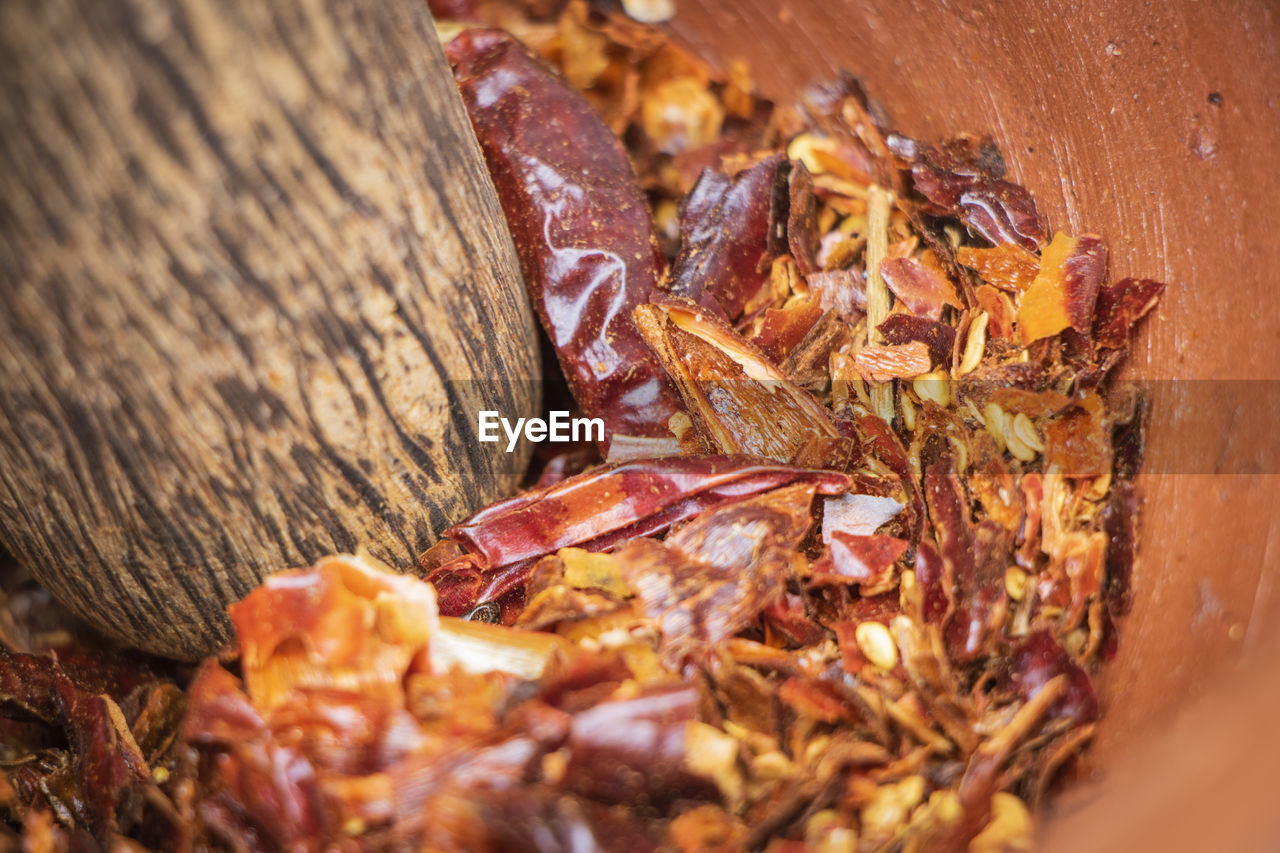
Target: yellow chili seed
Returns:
[[1015, 582], [974, 345], [935, 387], [876, 643]]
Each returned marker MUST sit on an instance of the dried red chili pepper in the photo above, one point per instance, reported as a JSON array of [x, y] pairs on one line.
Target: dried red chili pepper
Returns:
[[596, 510], [964, 177], [1120, 306], [580, 224], [923, 288], [973, 555], [904, 328], [729, 228], [1040, 658]]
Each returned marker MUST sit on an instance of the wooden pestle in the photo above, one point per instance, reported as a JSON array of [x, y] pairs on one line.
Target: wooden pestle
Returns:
[[254, 286]]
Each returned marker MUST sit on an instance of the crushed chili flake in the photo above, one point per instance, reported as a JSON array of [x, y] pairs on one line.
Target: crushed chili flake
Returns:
[[865, 527]]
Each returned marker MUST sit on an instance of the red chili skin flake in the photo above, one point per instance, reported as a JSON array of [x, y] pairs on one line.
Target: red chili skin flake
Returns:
[[1076, 442], [1083, 273], [999, 312], [714, 576], [963, 177], [633, 750], [1065, 289], [842, 291], [935, 582], [1032, 487], [1120, 523], [1120, 306], [922, 289], [851, 657], [881, 363], [879, 440], [814, 699], [802, 219], [1038, 659], [842, 110], [565, 464], [876, 608], [738, 400], [105, 762], [728, 236], [972, 554], [904, 328], [565, 822], [1033, 404], [454, 10], [83, 760], [788, 618], [782, 329], [865, 559], [270, 786], [580, 224], [1005, 266]]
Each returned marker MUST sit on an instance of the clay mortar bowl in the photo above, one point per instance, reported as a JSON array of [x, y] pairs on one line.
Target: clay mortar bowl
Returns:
[[1155, 126]]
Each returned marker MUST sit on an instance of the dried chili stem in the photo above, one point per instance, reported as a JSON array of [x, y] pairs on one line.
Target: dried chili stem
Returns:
[[879, 301]]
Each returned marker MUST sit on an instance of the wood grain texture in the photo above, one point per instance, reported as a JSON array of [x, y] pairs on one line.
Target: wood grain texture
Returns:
[[251, 297], [1155, 126]]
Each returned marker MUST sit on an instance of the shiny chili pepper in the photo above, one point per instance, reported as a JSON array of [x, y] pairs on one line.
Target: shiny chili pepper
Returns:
[[1039, 658], [964, 177], [596, 510], [730, 230], [580, 224]]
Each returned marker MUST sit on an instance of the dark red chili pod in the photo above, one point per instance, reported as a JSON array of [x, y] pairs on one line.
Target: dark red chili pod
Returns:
[[580, 224]]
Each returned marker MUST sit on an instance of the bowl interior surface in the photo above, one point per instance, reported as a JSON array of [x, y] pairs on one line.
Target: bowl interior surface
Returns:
[[1151, 125]]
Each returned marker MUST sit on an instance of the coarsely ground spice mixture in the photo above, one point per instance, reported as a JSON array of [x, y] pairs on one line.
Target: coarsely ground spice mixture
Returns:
[[836, 579]]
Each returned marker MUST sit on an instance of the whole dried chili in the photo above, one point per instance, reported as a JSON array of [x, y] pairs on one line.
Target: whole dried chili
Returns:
[[580, 223], [596, 510]]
